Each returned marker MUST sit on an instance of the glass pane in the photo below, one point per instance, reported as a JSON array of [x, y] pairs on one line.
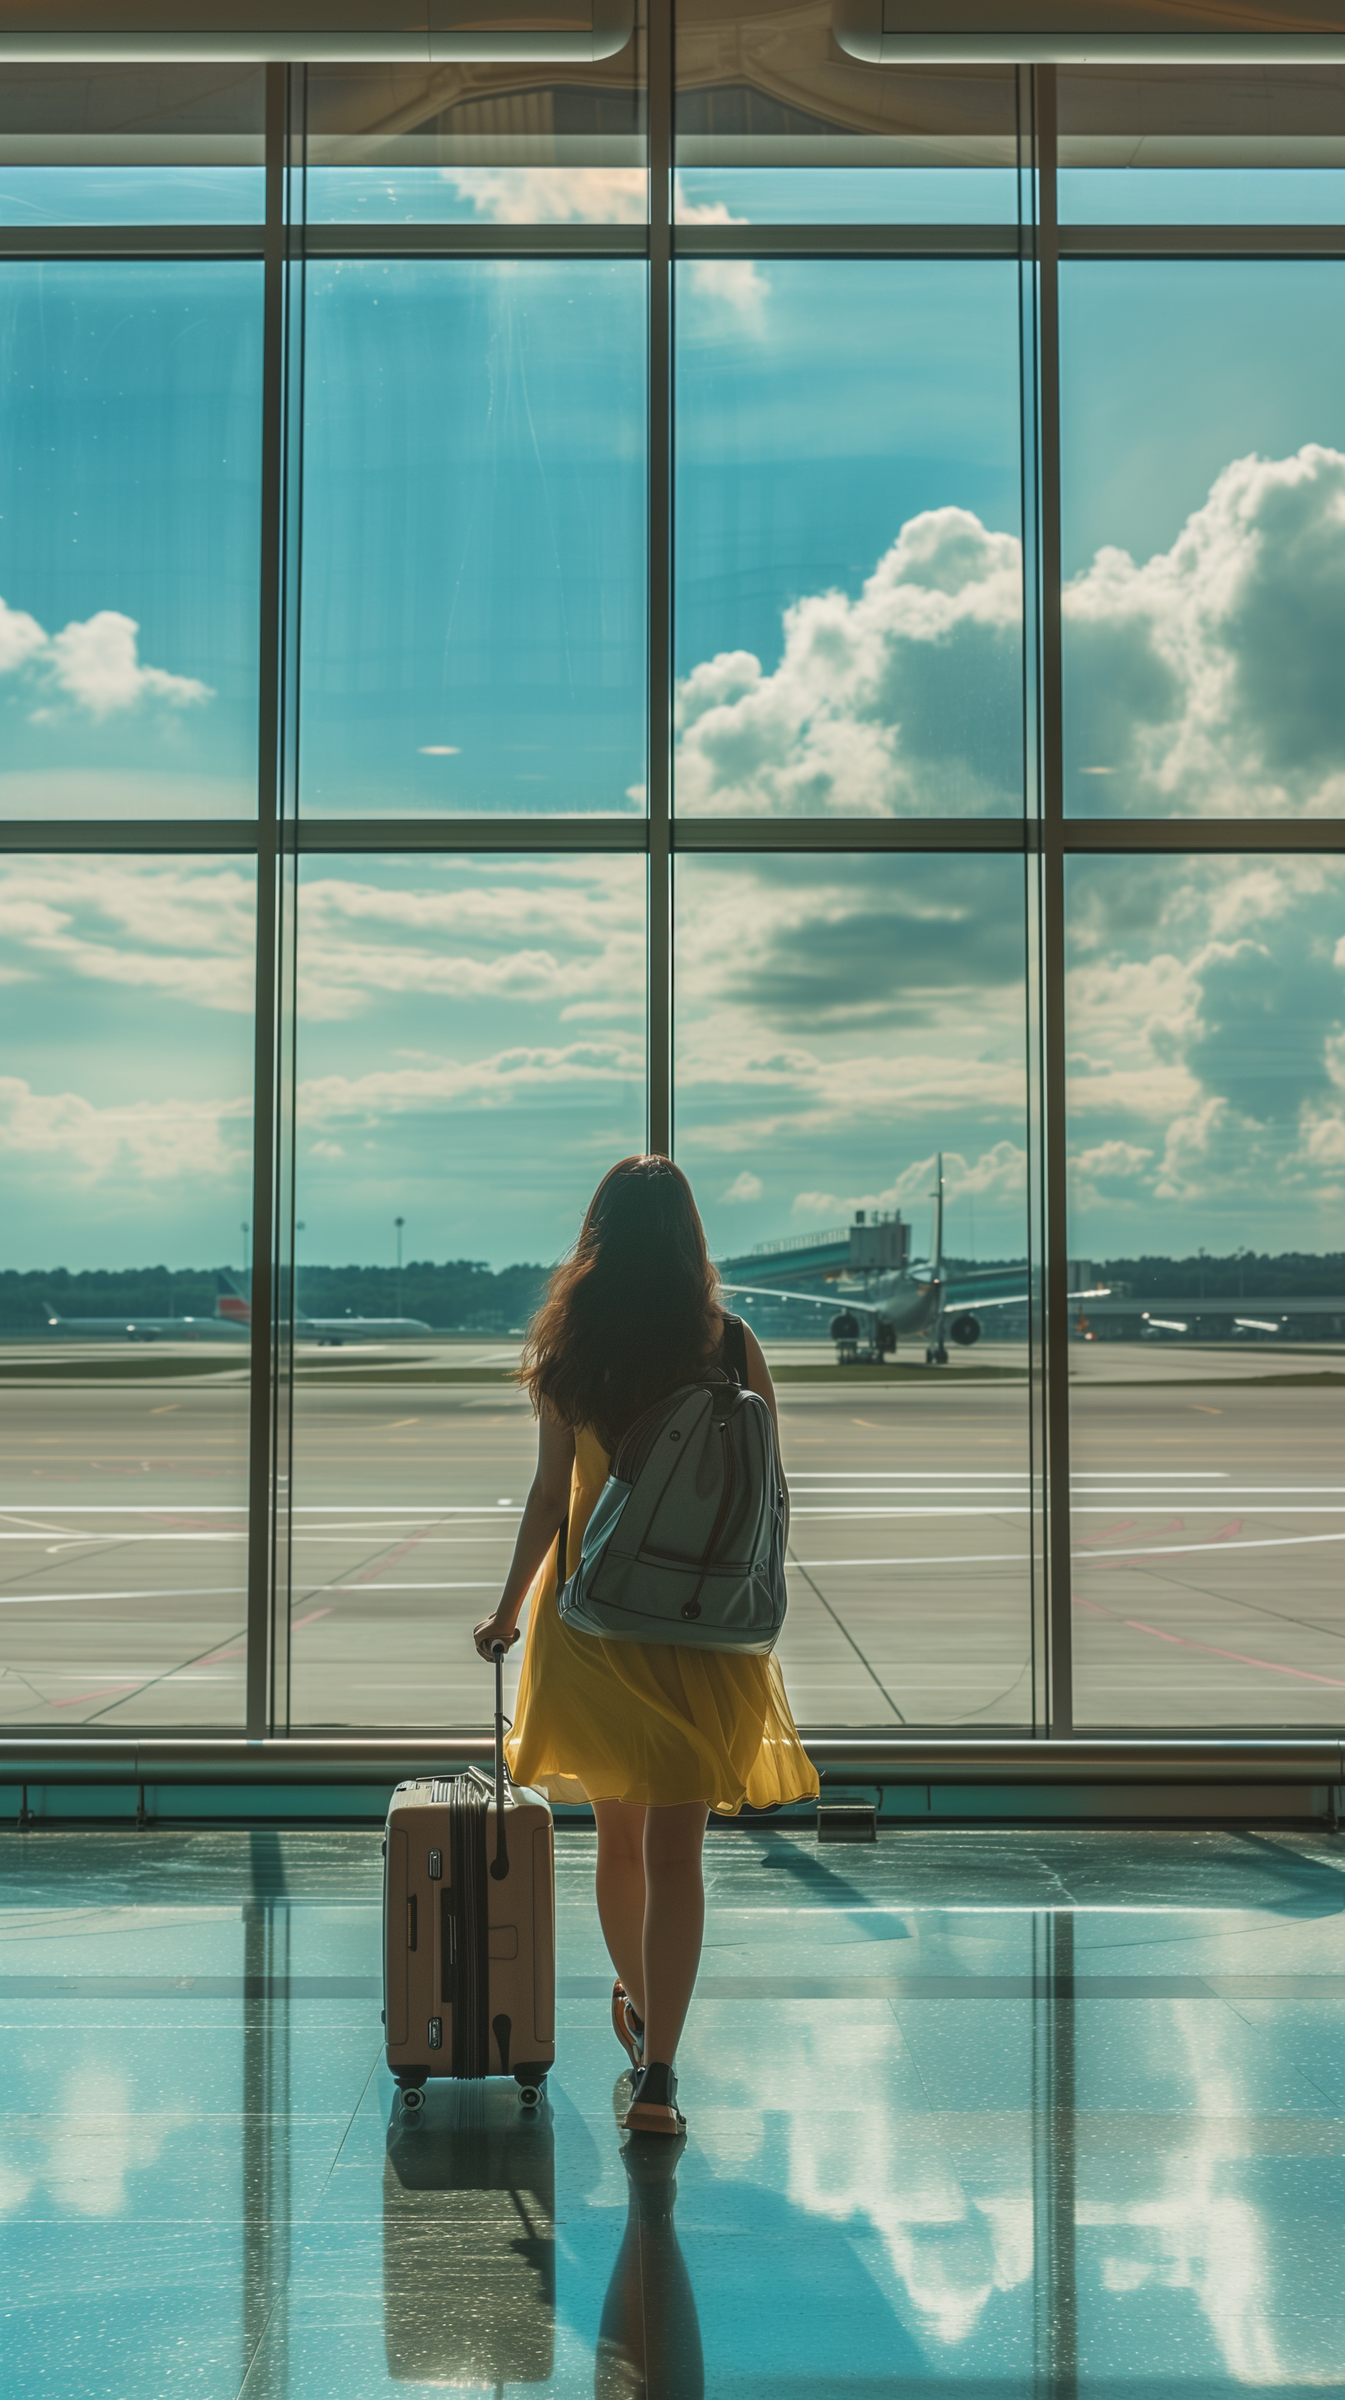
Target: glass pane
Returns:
[[849, 579], [470, 1062], [474, 538], [826, 195], [129, 538], [132, 145], [478, 143], [126, 1189], [844, 1025], [1207, 1140], [1203, 468], [1201, 146]]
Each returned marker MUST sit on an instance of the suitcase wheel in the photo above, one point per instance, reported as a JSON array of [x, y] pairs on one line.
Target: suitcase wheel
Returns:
[[412, 2094], [532, 2092]]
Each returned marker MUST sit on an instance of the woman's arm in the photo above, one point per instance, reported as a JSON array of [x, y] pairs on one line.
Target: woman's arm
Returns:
[[759, 1380], [546, 1504]]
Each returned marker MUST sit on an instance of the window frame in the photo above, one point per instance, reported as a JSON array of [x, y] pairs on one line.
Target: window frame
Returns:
[[1044, 838]]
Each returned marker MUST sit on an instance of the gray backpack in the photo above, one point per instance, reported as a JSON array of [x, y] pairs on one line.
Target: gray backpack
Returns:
[[687, 1541]]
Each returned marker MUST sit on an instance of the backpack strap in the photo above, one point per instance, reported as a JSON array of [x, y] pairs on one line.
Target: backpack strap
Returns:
[[735, 1347]]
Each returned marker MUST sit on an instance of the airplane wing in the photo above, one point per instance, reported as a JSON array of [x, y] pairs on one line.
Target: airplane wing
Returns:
[[831, 1300], [836, 1302]]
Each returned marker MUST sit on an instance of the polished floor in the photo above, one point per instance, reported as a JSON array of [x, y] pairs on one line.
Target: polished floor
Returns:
[[1207, 1496], [984, 2113]]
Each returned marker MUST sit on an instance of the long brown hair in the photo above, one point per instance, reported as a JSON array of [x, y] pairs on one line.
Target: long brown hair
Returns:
[[633, 1311]]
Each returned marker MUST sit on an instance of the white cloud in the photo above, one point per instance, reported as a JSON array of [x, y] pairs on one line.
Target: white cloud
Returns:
[[95, 663], [1207, 680], [745, 1186], [21, 637], [816, 1208], [87, 2142], [609, 196], [568, 937], [878, 706], [1112, 1162], [553, 195], [1203, 682], [1326, 1142], [182, 929], [497, 1081], [737, 283], [150, 1142], [1000, 1173], [1207, 1080]]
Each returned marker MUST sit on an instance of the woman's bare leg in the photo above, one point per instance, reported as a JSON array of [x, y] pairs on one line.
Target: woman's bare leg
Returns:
[[674, 1922], [620, 1882]]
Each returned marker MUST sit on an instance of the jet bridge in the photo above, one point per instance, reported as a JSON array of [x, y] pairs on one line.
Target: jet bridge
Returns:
[[872, 1245]]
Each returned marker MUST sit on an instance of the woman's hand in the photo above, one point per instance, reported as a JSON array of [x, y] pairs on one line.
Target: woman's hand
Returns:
[[499, 1628]]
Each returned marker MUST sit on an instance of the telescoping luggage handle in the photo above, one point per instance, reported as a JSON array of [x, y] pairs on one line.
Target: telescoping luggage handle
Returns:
[[499, 1865]]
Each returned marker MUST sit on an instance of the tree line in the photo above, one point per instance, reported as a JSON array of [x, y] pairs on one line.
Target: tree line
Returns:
[[458, 1296]]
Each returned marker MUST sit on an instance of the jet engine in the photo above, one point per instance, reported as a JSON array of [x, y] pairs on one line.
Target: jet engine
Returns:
[[965, 1330]]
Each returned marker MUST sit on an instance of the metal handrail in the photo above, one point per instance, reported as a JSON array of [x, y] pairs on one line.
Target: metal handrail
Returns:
[[859, 1758]]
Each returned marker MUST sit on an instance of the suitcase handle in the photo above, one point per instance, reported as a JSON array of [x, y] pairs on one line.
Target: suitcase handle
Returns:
[[499, 1865]]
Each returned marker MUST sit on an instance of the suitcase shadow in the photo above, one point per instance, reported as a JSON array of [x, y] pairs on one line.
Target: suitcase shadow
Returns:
[[469, 2239]]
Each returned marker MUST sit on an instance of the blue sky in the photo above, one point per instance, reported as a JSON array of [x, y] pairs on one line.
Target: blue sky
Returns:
[[474, 627], [848, 639], [130, 398]]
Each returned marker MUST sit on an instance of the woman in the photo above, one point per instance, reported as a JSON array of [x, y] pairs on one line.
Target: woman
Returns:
[[653, 1736]]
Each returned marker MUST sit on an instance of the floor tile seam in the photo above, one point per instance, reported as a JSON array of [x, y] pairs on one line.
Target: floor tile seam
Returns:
[[1332, 2100], [280, 2295], [369, 2080]]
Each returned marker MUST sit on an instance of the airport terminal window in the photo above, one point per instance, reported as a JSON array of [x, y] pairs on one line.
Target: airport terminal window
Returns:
[[1191, 145], [1207, 1138], [474, 586], [130, 398], [126, 1156], [147, 144], [478, 142], [850, 1103], [453, 484], [849, 573], [1203, 465], [470, 1058]]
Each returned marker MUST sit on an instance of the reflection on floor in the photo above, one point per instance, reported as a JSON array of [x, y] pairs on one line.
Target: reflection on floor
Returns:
[[994, 2113]]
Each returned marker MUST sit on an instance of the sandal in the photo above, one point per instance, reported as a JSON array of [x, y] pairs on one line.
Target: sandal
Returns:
[[653, 2107], [628, 2028]]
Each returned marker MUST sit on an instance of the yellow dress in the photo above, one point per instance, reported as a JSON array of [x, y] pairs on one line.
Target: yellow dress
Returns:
[[646, 1721]]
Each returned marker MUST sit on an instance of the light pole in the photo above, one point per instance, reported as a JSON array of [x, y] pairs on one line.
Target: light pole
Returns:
[[399, 1222]]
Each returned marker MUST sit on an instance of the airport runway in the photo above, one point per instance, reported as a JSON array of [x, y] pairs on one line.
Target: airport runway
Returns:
[[1209, 1521]]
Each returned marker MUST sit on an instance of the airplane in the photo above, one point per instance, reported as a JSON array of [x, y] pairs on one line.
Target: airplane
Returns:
[[886, 1300], [327, 1332], [222, 1326]]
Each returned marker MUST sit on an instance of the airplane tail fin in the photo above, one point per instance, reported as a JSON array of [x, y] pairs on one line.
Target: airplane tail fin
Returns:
[[230, 1303]]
